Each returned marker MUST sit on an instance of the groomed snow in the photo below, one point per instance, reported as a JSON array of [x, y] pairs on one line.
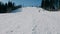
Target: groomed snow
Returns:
[[30, 20]]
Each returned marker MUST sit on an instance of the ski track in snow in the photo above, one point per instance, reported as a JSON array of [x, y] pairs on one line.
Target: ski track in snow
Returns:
[[30, 20]]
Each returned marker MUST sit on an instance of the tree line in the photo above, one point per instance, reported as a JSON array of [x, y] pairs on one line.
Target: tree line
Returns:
[[50, 5], [8, 7]]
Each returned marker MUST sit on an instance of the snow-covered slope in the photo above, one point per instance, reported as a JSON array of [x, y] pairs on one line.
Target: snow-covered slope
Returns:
[[30, 20], [46, 22], [16, 23]]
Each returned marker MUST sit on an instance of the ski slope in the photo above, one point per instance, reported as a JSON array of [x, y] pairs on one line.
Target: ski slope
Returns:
[[30, 20]]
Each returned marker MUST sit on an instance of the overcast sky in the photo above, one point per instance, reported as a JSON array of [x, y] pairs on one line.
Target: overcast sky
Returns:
[[25, 2]]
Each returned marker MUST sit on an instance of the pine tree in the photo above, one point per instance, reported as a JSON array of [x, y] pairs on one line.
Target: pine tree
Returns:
[[42, 4], [51, 4], [45, 4], [59, 4]]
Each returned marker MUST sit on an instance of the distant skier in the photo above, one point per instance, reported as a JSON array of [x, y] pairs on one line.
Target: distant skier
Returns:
[[39, 10]]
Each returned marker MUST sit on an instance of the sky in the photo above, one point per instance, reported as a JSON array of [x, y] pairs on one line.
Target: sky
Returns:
[[25, 2]]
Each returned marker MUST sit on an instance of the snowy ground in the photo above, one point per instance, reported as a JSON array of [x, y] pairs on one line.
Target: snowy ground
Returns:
[[30, 20]]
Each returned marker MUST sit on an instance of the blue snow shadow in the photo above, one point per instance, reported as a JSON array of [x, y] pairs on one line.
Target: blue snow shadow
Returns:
[[17, 10]]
